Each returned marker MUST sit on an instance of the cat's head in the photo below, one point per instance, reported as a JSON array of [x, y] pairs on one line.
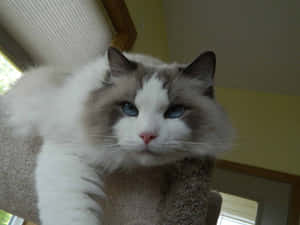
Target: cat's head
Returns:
[[152, 113]]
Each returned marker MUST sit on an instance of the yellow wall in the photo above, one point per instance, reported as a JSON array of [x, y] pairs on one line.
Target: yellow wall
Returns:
[[268, 129], [149, 20]]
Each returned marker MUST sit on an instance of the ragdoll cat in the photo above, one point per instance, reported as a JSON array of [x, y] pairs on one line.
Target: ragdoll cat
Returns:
[[119, 111]]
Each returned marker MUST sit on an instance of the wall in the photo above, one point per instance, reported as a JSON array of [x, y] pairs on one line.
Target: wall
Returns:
[[257, 42], [149, 20], [268, 129]]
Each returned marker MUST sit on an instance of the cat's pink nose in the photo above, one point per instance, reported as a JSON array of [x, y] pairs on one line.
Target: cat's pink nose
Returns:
[[147, 137]]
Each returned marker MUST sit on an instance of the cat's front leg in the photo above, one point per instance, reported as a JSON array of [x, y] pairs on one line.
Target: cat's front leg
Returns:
[[64, 184]]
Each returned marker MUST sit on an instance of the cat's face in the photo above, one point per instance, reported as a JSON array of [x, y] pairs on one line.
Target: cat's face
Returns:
[[151, 115]]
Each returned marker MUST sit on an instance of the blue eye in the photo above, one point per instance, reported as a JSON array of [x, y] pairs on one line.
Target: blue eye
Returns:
[[129, 109], [174, 112]]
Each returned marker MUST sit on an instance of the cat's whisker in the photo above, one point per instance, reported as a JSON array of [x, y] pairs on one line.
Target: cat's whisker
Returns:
[[110, 145], [185, 144], [195, 143], [112, 148], [119, 145], [127, 145], [101, 136], [183, 141]]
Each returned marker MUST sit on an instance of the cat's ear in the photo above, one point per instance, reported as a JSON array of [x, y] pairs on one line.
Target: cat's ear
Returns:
[[203, 67], [118, 63]]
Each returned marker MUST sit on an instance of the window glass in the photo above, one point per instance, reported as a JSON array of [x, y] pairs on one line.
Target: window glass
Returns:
[[9, 73]]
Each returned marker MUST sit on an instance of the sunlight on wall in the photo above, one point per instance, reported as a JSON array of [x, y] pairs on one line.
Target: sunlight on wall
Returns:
[[8, 74], [237, 211]]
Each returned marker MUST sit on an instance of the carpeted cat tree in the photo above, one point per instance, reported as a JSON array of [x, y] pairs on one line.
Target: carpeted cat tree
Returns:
[[177, 194]]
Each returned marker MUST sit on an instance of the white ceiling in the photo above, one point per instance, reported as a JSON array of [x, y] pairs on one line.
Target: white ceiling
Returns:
[[257, 42], [57, 31]]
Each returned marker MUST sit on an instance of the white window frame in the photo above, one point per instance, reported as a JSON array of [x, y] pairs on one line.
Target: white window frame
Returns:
[[14, 220]]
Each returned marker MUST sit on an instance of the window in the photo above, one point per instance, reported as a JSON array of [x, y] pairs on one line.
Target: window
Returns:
[[237, 211], [14, 220], [8, 74]]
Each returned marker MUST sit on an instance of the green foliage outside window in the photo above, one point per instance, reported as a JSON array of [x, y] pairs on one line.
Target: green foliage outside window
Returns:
[[4, 217]]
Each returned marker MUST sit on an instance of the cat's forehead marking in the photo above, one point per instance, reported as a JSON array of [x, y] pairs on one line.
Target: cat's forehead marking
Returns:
[[152, 96]]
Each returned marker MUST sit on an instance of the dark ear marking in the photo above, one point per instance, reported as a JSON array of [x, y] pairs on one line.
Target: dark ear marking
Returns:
[[209, 92], [203, 67], [118, 63]]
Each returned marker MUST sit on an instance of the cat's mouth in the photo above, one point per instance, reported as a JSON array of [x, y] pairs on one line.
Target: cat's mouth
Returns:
[[148, 151]]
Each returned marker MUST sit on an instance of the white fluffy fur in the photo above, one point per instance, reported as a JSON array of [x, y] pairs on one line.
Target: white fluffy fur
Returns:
[[62, 181], [50, 100]]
